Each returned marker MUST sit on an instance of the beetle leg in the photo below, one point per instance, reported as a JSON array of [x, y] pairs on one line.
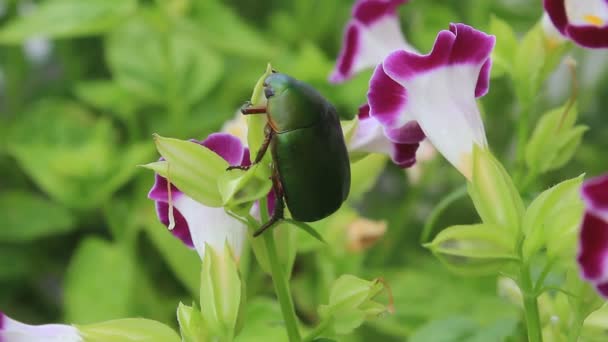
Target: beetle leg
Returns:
[[248, 108], [279, 206], [261, 151]]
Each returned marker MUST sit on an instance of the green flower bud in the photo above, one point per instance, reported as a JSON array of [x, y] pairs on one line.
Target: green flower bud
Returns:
[[493, 193]]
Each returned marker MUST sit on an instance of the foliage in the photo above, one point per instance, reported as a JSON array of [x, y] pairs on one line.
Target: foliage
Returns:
[[79, 241]]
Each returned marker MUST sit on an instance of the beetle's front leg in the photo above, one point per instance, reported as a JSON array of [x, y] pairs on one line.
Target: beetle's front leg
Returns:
[[279, 206], [261, 152], [248, 108]]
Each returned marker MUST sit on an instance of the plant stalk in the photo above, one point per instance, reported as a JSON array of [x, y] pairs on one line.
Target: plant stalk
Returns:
[[530, 306], [281, 283]]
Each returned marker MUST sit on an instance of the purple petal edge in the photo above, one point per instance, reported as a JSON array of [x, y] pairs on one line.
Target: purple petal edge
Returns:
[[404, 155], [589, 36], [595, 194], [370, 11], [602, 288], [387, 99], [593, 249], [226, 146], [461, 44], [1, 322], [181, 229], [351, 44], [556, 10]]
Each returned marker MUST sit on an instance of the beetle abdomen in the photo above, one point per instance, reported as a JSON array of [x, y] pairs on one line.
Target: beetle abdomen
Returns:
[[313, 168]]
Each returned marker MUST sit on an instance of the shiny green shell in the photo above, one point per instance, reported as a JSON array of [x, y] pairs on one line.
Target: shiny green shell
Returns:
[[308, 148]]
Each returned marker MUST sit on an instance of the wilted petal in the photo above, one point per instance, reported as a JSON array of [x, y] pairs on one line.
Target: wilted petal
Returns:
[[372, 33], [195, 224], [583, 21], [13, 331], [371, 137], [438, 91]]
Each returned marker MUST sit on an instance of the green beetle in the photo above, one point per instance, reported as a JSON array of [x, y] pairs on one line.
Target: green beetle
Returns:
[[311, 169]]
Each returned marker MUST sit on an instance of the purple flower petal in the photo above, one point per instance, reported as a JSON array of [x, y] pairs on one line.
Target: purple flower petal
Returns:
[[462, 44], [556, 9], [595, 195], [387, 99], [180, 230], [410, 133], [414, 95], [370, 137], [11, 330], [159, 191], [404, 155], [195, 224], [369, 12], [589, 36], [585, 22], [593, 252], [372, 33], [602, 288]]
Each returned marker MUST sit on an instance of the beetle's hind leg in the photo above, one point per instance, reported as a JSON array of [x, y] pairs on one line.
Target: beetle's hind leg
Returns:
[[261, 151], [279, 205]]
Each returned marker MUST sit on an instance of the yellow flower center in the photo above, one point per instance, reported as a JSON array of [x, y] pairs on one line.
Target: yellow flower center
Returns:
[[594, 20]]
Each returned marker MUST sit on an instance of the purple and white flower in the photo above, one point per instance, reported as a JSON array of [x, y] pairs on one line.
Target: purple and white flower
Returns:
[[371, 34], [583, 21], [13, 331], [371, 137], [593, 244], [437, 93], [194, 223]]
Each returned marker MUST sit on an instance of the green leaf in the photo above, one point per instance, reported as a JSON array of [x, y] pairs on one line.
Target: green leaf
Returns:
[[192, 168], [553, 216], [191, 324], [67, 18], [169, 66], [264, 322], [107, 95], [99, 282], [554, 140], [26, 217], [460, 329], [506, 46], [474, 249], [530, 73], [364, 174], [493, 193], [221, 27], [306, 228], [71, 154], [128, 330]]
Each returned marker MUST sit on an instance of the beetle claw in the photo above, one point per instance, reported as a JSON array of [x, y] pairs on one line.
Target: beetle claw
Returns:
[[239, 167]]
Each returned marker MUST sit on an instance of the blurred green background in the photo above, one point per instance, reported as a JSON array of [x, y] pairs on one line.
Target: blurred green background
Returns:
[[84, 84]]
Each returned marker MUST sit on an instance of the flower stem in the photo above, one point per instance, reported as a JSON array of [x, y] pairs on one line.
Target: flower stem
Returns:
[[281, 284], [530, 306], [317, 331], [575, 328]]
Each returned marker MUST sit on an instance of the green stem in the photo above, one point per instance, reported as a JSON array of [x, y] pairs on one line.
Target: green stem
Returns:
[[281, 284], [530, 306], [575, 328], [317, 331]]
